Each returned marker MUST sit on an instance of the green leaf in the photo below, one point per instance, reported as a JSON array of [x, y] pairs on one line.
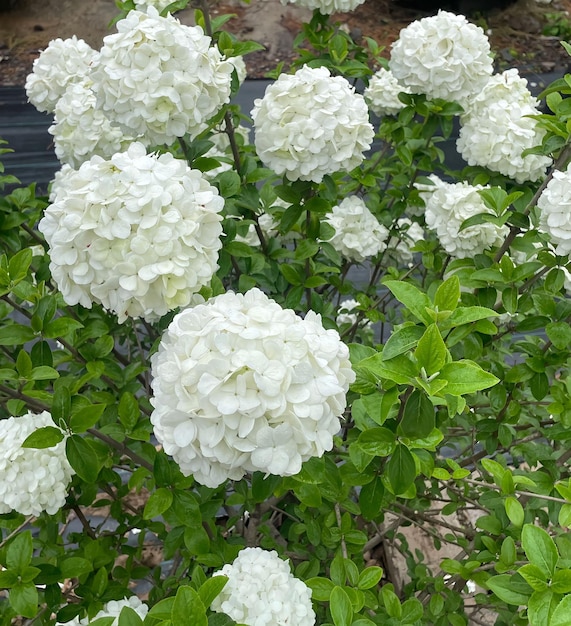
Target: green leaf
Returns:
[[19, 265], [431, 353], [540, 548], [540, 607], [562, 614], [129, 411], [514, 511], [465, 377], [533, 576], [503, 586], [129, 617], [412, 611], [15, 335], [196, 540], [61, 404], [86, 417], [561, 582], [448, 294], [400, 369], [369, 577], [44, 372], [418, 416], [321, 588], [19, 552], [60, 327], [24, 599], [371, 498], [401, 469], [467, 315], [75, 566], [188, 608], [401, 341], [377, 441], [158, 503], [211, 588], [414, 300], [340, 607], [559, 333], [228, 183], [44, 437], [82, 458]]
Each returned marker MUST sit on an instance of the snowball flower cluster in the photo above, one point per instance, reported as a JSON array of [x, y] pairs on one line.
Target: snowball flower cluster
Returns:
[[407, 236], [81, 130], [138, 233], [112, 608], [261, 591], [160, 79], [382, 93], [327, 7], [555, 206], [448, 206], [310, 124], [443, 56], [496, 129], [358, 234], [242, 385], [63, 62], [32, 480]]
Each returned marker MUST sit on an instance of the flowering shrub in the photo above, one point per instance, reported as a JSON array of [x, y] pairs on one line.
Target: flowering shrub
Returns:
[[241, 382]]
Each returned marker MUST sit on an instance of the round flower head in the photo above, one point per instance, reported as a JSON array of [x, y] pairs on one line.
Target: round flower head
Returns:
[[448, 206], [160, 79], [310, 124], [81, 130], [496, 129], [64, 61], [261, 591], [382, 94], [242, 385], [555, 206], [443, 56], [32, 480], [326, 7], [139, 234], [358, 234], [112, 608], [399, 246]]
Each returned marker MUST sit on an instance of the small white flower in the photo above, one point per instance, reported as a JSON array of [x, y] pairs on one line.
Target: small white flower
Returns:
[[139, 234], [358, 233], [112, 608], [448, 206], [310, 124], [327, 7], [261, 591], [81, 130], [64, 61], [382, 93], [32, 480], [555, 206], [160, 79], [497, 128], [242, 385], [443, 56]]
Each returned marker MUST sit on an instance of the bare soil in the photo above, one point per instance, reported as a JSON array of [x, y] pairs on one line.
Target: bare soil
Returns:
[[516, 32]]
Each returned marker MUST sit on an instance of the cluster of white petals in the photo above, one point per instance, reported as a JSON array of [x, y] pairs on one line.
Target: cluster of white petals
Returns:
[[496, 129], [262, 591], [63, 62], [81, 130], [310, 124], [358, 233], [32, 480], [443, 56], [448, 205], [159, 5], [112, 608], [400, 244], [242, 385], [555, 206], [326, 7], [160, 79], [139, 233], [382, 93]]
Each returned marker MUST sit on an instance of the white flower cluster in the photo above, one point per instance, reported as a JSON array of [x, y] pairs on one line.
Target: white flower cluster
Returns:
[[382, 93], [358, 233], [242, 385], [310, 124], [159, 5], [327, 7], [63, 62], [496, 129], [261, 591], [555, 206], [32, 480], [81, 130], [139, 234], [443, 56], [448, 206], [159, 79], [112, 608], [399, 245]]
